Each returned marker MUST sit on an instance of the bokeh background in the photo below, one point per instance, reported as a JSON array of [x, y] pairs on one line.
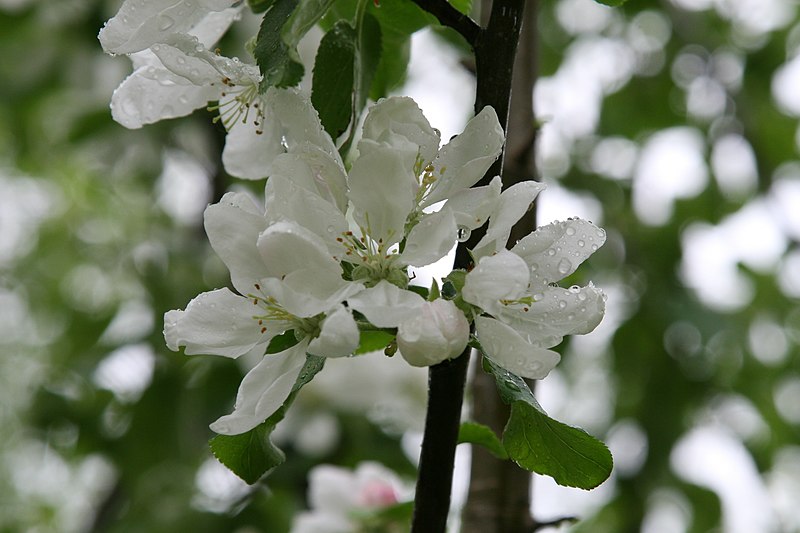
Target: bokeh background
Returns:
[[671, 123]]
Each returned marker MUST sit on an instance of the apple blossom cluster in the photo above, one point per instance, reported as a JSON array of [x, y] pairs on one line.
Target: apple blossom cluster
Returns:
[[176, 72], [326, 256]]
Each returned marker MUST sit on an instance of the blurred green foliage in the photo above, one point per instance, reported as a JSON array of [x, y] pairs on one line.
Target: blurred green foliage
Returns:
[[87, 238]]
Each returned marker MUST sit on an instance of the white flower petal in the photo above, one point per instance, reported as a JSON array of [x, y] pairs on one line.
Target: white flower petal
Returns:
[[386, 305], [514, 202], [472, 207], [152, 93], [263, 390], [431, 239], [249, 154], [285, 200], [186, 64], [332, 489], [503, 276], [300, 121], [338, 337], [401, 118], [141, 23], [509, 349], [556, 312], [307, 292], [233, 226], [321, 522], [553, 252], [437, 332], [216, 323], [286, 247], [213, 26], [467, 157], [185, 56], [312, 168], [382, 186]]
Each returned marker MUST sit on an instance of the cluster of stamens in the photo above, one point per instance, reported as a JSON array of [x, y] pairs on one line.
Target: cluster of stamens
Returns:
[[272, 309], [525, 302], [362, 247], [237, 104]]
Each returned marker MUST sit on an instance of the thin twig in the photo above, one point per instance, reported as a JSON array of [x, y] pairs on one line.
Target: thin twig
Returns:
[[555, 522], [452, 18]]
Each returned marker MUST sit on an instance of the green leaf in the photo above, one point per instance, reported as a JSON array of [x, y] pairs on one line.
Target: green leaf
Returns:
[[391, 71], [465, 6], [370, 52], [333, 82], [282, 342], [422, 291], [283, 25], [249, 455], [540, 444], [273, 56], [252, 454], [475, 433], [434, 292], [307, 13], [259, 6], [373, 340]]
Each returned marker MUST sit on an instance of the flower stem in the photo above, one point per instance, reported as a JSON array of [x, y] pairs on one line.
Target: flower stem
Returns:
[[437, 459]]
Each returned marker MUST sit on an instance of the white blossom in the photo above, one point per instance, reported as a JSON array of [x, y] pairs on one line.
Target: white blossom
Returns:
[[528, 315], [338, 497], [286, 280]]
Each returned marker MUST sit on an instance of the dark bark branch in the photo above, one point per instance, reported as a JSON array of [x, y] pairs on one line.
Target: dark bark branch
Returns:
[[452, 18], [499, 493], [495, 50], [436, 462]]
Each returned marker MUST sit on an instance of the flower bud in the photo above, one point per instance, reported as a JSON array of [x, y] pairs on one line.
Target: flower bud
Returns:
[[438, 332]]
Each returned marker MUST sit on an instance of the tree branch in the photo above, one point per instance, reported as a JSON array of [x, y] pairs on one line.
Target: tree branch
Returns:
[[452, 18], [437, 458]]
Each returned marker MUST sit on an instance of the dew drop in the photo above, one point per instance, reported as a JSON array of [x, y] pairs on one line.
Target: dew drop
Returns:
[[463, 233], [538, 297], [564, 266], [165, 22], [570, 231], [575, 289], [534, 267], [551, 252], [562, 304]]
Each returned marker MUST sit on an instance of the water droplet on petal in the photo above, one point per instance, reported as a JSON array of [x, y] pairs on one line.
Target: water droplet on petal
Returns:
[[570, 230], [551, 252], [534, 267], [581, 243], [165, 22], [564, 266], [562, 304], [575, 289], [538, 297], [463, 233]]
